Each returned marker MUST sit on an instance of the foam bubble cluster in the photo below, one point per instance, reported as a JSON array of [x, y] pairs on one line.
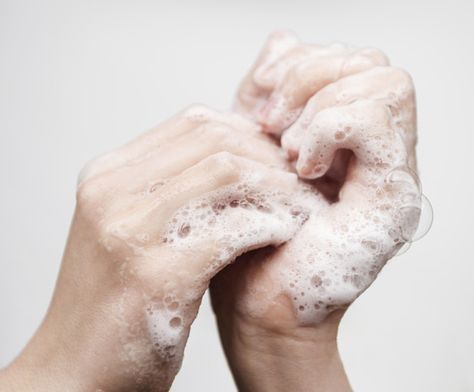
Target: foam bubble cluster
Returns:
[[340, 251], [267, 217], [348, 101], [227, 223]]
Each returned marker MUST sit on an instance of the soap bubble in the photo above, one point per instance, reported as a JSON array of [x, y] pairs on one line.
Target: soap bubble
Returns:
[[426, 219], [424, 224]]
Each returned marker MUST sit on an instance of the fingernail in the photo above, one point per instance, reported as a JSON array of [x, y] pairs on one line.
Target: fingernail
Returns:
[[312, 171]]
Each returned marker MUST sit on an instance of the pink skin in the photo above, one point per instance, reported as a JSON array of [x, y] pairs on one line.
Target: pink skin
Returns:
[[129, 291], [288, 72], [347, 122], [391, 86], [127, 295], [354, 124]]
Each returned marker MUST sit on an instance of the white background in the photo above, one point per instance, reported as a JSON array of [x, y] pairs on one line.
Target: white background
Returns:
[[80, 77]]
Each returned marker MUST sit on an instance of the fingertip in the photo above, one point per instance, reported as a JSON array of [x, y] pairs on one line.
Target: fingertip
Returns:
[[291, 139], [309, 169], [277, 115], [292, 154], [303, 170], [290, 143]]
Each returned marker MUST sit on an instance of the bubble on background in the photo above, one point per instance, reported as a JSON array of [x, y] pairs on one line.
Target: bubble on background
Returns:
[[424, 224]]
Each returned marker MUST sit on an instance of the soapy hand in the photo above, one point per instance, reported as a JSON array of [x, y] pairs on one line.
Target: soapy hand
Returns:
[[288, 72], [155, 221], [159, 218], [348, 124]]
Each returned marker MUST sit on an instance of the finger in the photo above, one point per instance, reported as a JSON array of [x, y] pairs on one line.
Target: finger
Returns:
[[210, 182], [364, 127], [391, 86], [196, 145], [256, 211], [161, 136], [379, 178], [309, 76], [135, 148], [269, 73], [211, 174], [200, 114], [252, 88], [146, 176]]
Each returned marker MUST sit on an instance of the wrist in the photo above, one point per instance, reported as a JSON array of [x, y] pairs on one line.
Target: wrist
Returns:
[[284, 358], [40, 369], [95, 335]]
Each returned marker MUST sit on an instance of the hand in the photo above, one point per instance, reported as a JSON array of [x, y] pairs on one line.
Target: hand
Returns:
[[288, 72], [354, 142], [155, 221]]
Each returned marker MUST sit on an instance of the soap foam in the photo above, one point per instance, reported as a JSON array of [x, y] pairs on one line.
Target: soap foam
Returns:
[[229, 221], [343, 246], [338, 254], [378, 211], [336, 250]]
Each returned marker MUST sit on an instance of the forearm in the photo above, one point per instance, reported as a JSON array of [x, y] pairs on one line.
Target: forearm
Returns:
[[304, 359], [80, 344], [40, 369], [285, 368]]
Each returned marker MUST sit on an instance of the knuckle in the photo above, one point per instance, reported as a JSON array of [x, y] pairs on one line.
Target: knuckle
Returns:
[[99, 164], [218, 130], [298, 74], [89, 208], [89, 169], [377, 114], [227, 162], [376, 56], [88, 197], [222, 158], [199, 113], [402, 77], [103, 234], [220, 135]]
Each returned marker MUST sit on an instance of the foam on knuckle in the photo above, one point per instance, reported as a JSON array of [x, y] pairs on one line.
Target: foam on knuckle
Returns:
[[198, 112]]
